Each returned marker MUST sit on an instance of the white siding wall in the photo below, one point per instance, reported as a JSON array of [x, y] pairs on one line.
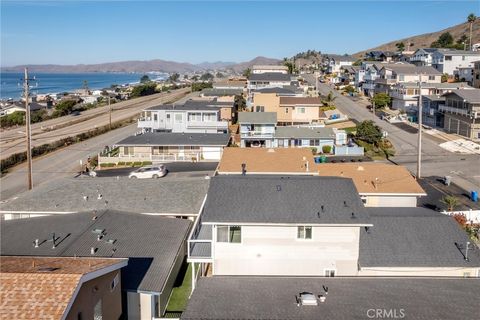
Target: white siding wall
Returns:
[[391, 201], [275, 250], [212, 153]]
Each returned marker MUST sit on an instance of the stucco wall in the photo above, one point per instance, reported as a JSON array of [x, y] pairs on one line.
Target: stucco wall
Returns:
[[94, 290], [275, 250]]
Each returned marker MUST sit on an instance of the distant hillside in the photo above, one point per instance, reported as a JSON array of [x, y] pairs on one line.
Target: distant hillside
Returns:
[[142, 66], [425, 40], [239, 67]]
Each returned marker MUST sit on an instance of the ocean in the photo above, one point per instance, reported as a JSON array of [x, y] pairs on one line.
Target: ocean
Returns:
[[11, 83]]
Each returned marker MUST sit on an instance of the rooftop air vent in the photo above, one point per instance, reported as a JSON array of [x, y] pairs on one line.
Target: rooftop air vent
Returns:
[[98, 231], [47, 269], [279, 187], [307, 299]]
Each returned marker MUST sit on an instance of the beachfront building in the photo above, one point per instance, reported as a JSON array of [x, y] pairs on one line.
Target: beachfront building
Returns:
[[462, 113]]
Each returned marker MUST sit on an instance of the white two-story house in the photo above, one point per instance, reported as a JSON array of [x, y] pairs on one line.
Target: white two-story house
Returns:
[[401, 73], [447, 61], [335, 62], [257, 129], [423, 56], [183, 119]]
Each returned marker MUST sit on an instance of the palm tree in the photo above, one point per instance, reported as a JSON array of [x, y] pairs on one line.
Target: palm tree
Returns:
[[451, 202], [471, 19]]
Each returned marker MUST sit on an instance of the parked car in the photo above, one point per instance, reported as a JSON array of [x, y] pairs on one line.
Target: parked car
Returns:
[[151, 172]]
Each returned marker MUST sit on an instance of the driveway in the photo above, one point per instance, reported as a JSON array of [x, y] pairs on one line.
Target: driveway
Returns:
[[172, 167]]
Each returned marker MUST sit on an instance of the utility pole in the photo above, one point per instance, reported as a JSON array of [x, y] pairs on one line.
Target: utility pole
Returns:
[[110, 112], [28, 130], [419, 156]]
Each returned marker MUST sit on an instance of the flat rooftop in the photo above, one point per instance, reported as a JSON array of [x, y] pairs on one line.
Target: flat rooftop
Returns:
[[262, 160], [348, 298]]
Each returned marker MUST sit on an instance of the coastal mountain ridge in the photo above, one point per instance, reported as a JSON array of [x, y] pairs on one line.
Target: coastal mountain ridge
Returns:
[[156, 65], [425, 40]]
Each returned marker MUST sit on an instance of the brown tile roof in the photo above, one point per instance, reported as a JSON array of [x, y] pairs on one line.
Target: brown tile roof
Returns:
[[262, 160], [300, 101], [42, 287], [375, 178]]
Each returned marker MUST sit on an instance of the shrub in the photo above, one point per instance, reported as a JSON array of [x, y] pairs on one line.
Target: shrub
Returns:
[[314, 150], [128, 164], [146, 163], [107, 165], [137, 163], [327, 149], [121, 163]]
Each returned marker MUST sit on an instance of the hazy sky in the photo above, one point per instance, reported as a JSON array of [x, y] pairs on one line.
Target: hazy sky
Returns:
[[72, 32]]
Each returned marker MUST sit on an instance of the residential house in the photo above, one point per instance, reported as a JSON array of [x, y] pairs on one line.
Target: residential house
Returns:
[[447, 61], [348, 75], [405, 94], [462, 112], [264, 298], [20, 107], [259, 69], [399, 73], [385, 56], [267, 80], [378, 184], [154, 246], [225, 103], [291, 161], [431, 116], [230, 84], [181, 197], [335, 62], [60, 288], [198, 118], [423, 56], [215, 92], [476, 74], [315, 139], [464, 74], [298, 110], [160, 147], [257, 129], [271, 225]]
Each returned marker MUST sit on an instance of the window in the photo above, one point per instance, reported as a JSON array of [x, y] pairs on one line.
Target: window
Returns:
[[260, 109], [178, 117], [280, 142], [463, 58], [114, 283], [128, 150], [168, 117], [97, 311], [448, 58], [230, 234], [209, 117], [301, 110], [155, 117], [195, 116], [314, 142], [79, 316], [329, 272], [286, 110], [304, 232], [431, 77], [401, 77]]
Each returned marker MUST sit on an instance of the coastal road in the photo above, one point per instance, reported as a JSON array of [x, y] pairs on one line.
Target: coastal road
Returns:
[[13, 141], [436, 161], [63, 162]]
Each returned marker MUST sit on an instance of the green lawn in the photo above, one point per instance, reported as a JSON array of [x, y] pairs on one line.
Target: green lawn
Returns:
[[178, 300]]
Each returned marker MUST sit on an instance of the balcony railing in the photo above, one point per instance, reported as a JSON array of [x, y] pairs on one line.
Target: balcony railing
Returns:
[[164, 157], [460, 111], [207, 124], [200, 242], [256, 134]]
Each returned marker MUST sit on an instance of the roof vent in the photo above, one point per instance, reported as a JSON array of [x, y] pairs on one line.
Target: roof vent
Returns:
[[85, 198], [270, 150], [98, 231], [93, 250], [36, 243], [323, 208], [353, 215], [244, 169], [111, 241], [279, 187], [99, 197], [307, 299], [47, 269], [360, 168], [345, 204], [367, 230]]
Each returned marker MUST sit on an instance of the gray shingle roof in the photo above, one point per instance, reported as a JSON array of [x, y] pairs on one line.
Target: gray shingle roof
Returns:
[[412, 69], [306, 133], [257, 117], [348, 298], [270, 76], [208, 103], [221, 92], [283, 199], [151, 242], [275, 90], [183, 107], [413, 237], [471, 96], [443, 85], [176, 139], [137, 195]]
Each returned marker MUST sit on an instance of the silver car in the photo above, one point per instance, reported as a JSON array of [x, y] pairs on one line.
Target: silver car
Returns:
[[150, 172]]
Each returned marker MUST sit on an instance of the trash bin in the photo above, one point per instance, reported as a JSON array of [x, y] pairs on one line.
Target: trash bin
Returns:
[[323, 159], [447, 180], [317, 159], [474, 196]]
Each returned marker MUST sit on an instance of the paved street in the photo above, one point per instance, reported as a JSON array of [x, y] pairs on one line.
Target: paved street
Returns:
[[63, 162], [13, 141], [465, 169]]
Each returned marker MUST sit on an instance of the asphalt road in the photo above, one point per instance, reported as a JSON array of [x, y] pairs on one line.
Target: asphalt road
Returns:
[[63, 162], [13, 141], [173, 167], [436, 161]]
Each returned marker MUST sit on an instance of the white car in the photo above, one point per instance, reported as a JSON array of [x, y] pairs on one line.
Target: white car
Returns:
[[151, 172]]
